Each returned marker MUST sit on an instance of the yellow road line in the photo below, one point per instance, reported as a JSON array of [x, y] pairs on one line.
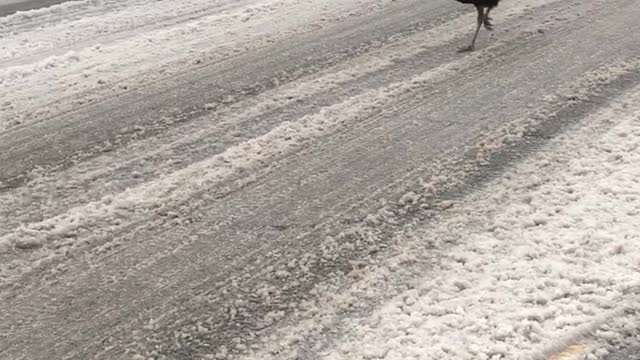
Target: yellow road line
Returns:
[[569, 352]]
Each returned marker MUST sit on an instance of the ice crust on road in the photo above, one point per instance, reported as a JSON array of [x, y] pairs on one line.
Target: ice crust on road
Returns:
[[543, 262]]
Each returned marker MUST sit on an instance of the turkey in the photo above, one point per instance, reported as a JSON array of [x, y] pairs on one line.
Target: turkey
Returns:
[[484, 7]]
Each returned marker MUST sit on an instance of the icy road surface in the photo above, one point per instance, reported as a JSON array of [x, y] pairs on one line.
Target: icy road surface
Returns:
[[10, 7], [204, 178]]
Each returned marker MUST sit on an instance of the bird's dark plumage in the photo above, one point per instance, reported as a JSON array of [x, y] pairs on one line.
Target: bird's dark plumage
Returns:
[[484, 7], [481, 3]]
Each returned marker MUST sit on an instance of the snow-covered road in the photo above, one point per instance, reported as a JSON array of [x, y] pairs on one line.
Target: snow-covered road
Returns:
[[206, 178]]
